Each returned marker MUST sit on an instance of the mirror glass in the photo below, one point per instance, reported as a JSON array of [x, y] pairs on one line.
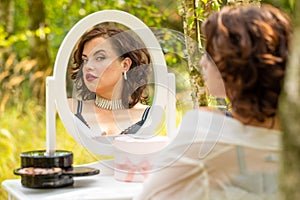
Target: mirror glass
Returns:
[[110, 73], [110, 81]]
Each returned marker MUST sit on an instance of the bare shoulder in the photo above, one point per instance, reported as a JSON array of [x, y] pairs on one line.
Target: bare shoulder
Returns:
[[140, 106], [138, 110], [73, 104]]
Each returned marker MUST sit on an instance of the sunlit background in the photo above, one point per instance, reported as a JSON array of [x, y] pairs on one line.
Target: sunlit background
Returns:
[[30, 34]]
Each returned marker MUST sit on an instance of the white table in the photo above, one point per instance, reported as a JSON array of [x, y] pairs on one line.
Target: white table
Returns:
[[102, 186]]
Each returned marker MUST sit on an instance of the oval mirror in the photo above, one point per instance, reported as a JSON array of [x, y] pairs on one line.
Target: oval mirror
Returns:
[[161, 101]]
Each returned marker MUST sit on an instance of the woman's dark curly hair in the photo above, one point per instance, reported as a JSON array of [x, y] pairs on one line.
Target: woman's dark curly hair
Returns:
[[250, 47], [135, 87]]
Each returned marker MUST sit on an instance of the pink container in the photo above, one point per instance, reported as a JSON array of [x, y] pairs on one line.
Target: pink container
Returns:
[[135, 158]]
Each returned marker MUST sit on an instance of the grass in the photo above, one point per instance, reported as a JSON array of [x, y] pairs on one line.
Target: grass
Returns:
[[22, 128]]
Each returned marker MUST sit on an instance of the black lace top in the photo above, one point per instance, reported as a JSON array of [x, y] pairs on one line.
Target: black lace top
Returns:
[[130, 130]]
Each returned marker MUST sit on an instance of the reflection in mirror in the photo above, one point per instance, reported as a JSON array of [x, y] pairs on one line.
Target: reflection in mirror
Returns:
[[66, 92], [109, 77], [173, 44]]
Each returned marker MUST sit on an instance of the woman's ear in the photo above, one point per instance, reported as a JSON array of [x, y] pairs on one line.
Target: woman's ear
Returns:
[[126, 63]]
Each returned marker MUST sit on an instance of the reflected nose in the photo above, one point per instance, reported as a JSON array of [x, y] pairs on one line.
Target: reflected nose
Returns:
[[89, 65]]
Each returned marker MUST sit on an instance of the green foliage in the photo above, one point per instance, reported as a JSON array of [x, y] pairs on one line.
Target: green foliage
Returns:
[[286, 5], [207, 7], [62, 15]]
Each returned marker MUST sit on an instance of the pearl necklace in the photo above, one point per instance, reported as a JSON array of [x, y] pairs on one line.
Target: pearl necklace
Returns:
[[109, 104]]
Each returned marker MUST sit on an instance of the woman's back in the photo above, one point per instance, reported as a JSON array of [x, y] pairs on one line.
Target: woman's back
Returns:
[[217, 158]]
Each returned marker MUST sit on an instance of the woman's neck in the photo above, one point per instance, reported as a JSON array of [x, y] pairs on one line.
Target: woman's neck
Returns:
[[106, 104], [270, 122]]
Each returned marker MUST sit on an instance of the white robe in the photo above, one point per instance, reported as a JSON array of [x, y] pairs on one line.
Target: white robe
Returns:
[[215, 157]]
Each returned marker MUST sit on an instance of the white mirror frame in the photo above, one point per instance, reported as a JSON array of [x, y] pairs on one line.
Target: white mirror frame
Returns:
[[56, 96]]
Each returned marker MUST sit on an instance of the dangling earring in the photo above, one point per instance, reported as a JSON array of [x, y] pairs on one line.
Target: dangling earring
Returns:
[[125, 75]]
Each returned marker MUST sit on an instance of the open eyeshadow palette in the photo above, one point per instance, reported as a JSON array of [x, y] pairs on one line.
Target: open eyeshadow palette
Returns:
[[39, 170]]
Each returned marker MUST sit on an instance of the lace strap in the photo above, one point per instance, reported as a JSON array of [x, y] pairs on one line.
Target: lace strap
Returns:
[[135, 127], [78, 113]]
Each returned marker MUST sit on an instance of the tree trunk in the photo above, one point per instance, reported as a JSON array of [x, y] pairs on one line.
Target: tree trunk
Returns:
[[290, 112], [7, 22], [6, 15], [39, 48], [39, 42], [191, 29]]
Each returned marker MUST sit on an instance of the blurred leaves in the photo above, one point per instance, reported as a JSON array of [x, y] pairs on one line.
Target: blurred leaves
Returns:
[[18, 81]]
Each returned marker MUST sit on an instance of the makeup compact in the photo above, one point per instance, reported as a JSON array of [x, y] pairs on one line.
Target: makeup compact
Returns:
[[39, 170]]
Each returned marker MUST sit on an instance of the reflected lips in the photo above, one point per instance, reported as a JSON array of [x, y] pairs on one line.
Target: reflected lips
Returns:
[[90, 77]]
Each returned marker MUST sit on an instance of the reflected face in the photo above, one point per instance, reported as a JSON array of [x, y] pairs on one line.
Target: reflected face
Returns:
[[213, 79], [102, 68]]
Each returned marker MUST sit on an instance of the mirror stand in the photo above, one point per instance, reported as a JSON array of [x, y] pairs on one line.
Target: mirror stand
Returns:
[[171, 107], [50, 116]]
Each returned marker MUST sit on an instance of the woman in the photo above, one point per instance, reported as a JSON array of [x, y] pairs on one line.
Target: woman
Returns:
[[232, 158], [111, 73]]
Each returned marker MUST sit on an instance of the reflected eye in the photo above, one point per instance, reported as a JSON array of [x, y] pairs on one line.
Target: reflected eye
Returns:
[[99, 58], [84, 60]]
